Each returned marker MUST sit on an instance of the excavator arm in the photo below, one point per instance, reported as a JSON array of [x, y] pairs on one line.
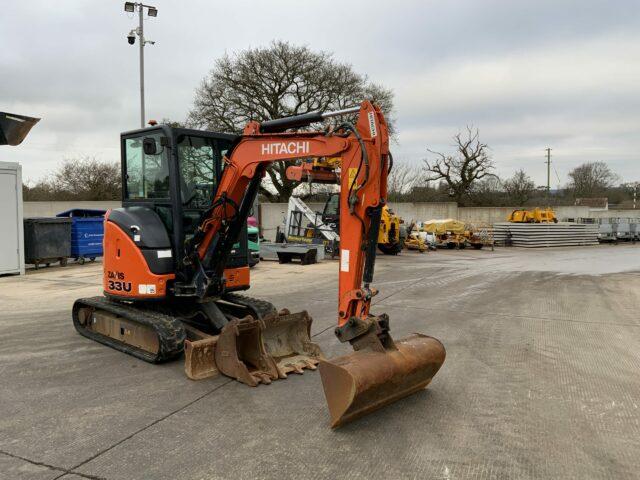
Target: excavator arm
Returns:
[[380, 370], [364, 151]]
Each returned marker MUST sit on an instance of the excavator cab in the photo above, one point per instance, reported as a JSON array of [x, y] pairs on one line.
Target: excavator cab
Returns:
[[173, 173]]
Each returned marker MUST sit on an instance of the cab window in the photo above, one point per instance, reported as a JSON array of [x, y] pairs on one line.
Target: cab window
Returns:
[[147, 176], [197, 157], [332, 206]]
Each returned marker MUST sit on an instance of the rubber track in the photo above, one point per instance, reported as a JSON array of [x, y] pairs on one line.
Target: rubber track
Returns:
[[261, 308], [170, 331]]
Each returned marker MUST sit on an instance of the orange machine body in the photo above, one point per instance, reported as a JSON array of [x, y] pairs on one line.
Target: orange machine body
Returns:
[[125, 270], [126, 274]]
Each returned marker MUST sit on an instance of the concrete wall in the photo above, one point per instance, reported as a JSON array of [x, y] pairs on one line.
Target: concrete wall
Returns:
[[425, 211], [273, 214], [500, 214], [615, 213], [50, 209]]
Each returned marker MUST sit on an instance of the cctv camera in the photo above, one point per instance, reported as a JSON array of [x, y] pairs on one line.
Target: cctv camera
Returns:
[[131, 38]]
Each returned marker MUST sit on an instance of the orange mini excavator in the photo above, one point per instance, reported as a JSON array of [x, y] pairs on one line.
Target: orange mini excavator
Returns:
[[174, 261]]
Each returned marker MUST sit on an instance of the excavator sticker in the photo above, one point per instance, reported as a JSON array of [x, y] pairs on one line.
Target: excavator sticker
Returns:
[[372, 124], [344, 260], [119, 286], [146, 289], [284, 148], [117, 283], [352, 172]]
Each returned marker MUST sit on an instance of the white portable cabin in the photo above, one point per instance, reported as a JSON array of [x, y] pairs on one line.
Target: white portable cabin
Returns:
[[11, 239]]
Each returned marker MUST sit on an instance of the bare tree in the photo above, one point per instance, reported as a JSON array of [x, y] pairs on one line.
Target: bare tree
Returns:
[[591, 179], [278, 81], [401, 180], [519, 188], [84, 178], [470, 163]]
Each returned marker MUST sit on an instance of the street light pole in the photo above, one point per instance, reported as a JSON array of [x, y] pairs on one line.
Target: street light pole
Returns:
[[131, 7], [142, 42]]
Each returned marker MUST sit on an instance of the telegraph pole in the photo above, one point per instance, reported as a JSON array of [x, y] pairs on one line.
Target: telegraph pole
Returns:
[[548, 173]]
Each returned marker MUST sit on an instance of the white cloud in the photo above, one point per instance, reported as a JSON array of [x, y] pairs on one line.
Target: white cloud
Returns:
[[528, 74]]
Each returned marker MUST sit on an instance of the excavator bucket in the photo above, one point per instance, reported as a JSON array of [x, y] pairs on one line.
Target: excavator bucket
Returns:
[[366, 380], [199, 358], [287, 338], [240, 353], [14, 128]]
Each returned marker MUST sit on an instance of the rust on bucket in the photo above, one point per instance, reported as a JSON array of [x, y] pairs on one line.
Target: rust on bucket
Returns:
[[365, 380]]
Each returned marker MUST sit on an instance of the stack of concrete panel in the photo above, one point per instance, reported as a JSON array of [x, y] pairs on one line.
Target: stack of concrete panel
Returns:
[[501, 233], [563, 234]]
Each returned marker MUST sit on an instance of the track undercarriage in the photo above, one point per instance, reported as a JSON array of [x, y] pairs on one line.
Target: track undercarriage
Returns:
[[239, 336]]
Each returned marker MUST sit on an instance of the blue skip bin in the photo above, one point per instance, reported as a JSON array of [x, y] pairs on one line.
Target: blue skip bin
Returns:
[[87, 231]]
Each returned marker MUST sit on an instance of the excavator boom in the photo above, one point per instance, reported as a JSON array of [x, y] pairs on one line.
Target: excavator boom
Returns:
[[380, 370]]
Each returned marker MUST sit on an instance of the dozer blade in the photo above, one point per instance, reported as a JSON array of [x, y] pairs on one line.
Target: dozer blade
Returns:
[[366, 380], [287, 338], [240, 353]]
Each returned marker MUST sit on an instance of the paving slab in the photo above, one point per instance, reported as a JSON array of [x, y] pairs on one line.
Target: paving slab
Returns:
[[14, 468], [541, 379]]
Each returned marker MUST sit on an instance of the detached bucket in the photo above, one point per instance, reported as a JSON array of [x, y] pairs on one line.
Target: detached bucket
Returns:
[[364, 381], [287, 338], [199, 358], [240, 354]]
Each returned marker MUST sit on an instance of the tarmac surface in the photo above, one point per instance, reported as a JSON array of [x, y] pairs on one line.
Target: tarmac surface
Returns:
[[541, 380]]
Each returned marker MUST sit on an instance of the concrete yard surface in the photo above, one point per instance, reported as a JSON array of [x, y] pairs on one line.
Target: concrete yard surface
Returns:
[[541, 380]]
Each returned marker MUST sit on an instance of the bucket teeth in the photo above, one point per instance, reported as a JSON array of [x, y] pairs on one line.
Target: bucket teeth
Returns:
[[256, 351], [240, 353], [287, 338]]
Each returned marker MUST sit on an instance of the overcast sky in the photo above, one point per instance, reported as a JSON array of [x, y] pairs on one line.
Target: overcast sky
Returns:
[[528, 74]]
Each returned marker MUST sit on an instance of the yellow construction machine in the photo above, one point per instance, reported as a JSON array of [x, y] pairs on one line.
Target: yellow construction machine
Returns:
[[414, 241], [452, 233], [537, 215], [389, 241], [327, 170], [448, 232]]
